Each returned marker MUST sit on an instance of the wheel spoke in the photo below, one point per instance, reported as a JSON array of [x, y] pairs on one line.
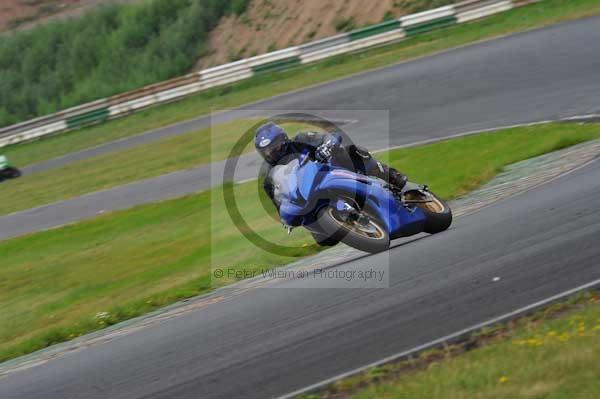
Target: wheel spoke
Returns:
[[370, 229]]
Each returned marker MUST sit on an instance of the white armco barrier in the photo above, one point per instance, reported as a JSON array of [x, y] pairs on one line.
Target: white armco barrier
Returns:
[[131, 105], [177, 92], [480, 12], [382, 38], [82, 109], [157, 98], [225, 69], [47, 120], [273, 56], [226, 78], [387, 37], [426, 16], [34, 133], [224, 74], [30, 124], [321, 44]]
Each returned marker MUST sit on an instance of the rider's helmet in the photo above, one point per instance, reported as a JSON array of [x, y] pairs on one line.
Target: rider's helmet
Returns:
[[271, 142]]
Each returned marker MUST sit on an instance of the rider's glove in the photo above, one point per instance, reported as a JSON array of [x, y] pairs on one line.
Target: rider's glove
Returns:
[[325, 151]]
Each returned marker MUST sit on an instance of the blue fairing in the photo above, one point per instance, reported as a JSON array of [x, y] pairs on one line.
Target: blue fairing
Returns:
[[314, 185], [380, 201], [309, 176]]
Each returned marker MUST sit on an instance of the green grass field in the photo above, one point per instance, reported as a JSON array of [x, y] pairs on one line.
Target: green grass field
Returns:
[[190, 150], [54, 283], [145, 161], [455, 167], [553, 355], [521, 19]]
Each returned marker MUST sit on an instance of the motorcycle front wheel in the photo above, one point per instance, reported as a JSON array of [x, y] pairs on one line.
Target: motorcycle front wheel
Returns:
[[365, 233]]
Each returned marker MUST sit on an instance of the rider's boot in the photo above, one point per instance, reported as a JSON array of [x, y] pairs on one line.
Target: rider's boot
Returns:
[[397, 178], [392, 176]]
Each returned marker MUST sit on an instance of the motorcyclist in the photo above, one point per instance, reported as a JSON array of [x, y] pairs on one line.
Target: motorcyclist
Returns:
[[7, 171], [276, 148]]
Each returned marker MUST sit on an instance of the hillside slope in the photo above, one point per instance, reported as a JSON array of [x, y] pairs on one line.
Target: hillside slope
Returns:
[[268, 25]]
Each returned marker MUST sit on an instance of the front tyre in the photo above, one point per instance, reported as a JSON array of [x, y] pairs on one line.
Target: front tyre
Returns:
[[438, 212], [364, 233], [323, 239]]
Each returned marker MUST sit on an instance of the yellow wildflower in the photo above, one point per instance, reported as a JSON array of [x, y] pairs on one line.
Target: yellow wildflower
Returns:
[[564, 337]]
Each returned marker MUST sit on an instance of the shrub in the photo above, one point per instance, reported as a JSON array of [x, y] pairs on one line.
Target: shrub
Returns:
[[239, 7], [344, 24], [111, 49], [388, 16]]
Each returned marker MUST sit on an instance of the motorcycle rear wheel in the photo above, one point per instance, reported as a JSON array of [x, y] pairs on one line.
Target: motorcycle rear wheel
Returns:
[[11, 173], [438, 212], [369, 237]]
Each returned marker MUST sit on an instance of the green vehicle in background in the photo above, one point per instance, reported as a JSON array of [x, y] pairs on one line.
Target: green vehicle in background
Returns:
[[7, 171]]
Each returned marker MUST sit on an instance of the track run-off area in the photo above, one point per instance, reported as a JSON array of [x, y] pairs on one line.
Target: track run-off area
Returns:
[[267, 342]]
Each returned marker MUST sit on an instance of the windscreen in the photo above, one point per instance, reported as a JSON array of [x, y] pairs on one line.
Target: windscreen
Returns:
[[285, 181]]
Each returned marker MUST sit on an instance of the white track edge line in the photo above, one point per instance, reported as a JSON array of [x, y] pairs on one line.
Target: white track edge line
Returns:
[[450, 337]]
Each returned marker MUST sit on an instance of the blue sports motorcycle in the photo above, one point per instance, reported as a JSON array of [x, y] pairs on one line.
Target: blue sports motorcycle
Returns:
[[364, 212]]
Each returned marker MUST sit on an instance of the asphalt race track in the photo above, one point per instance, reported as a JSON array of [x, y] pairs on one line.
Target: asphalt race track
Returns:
[[544, 74], [270, 341], [266, 342]]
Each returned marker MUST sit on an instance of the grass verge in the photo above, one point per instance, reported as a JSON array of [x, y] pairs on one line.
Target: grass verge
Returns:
[[550, 354], [262, 87], [189, 150], [59, 284], [114, 169]]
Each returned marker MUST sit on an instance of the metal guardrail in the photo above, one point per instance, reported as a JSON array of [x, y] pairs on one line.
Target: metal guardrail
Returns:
[[173, 89], [473, 9]]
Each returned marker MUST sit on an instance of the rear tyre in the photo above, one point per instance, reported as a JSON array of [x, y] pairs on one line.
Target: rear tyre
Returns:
[[369, 235], [439, 214]]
